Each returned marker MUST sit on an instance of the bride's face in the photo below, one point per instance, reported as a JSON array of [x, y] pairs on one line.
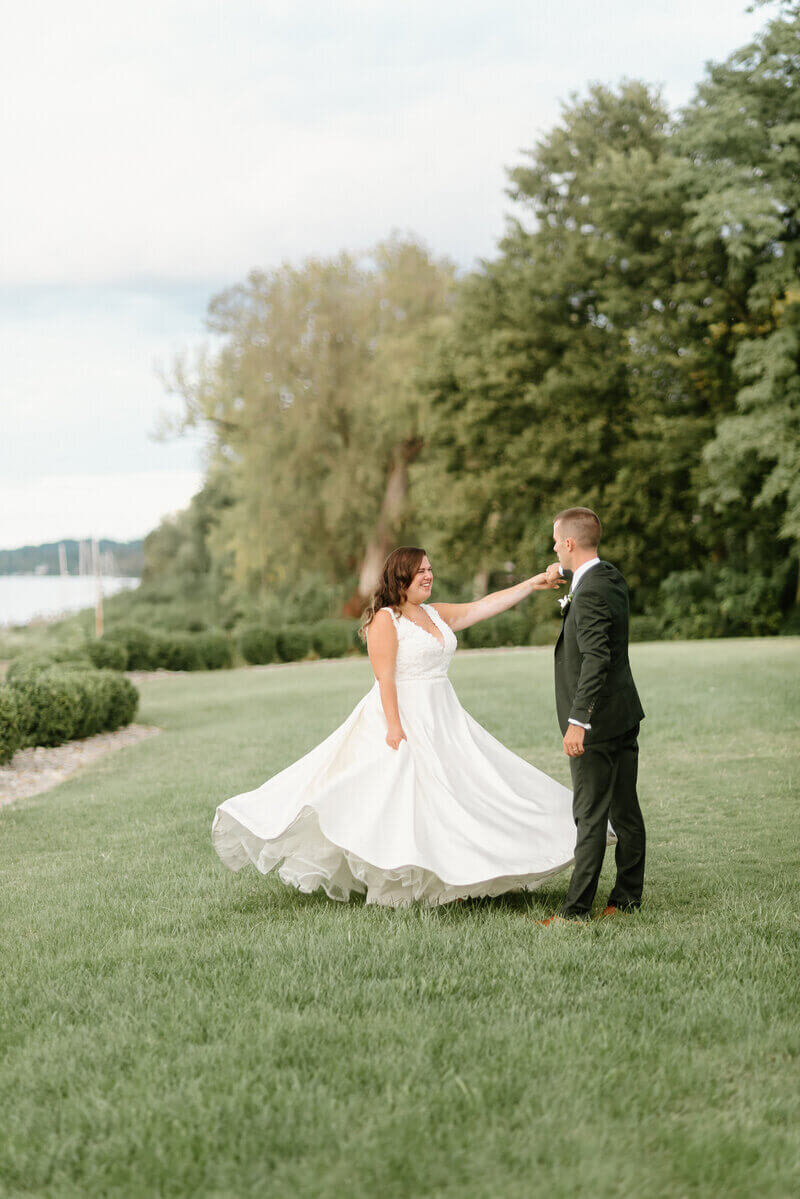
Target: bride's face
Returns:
[[419, 589]]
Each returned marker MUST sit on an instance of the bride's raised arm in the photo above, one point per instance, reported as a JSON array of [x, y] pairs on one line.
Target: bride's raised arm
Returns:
[[461, 616]]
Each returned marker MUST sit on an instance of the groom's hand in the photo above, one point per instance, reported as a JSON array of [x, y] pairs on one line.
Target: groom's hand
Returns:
[[554, 574], [544, 582], [573, 740]]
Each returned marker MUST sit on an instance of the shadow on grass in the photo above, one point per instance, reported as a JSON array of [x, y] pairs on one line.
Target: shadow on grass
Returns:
[[277, 898]]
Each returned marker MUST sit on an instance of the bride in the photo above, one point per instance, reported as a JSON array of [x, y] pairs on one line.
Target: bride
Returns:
[[409, 799]]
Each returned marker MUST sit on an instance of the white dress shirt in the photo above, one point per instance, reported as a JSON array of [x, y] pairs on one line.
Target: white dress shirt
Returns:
[[576, 578]]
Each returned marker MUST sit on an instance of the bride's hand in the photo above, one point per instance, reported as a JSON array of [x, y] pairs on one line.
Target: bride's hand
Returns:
[[395, 736], [544, 582]]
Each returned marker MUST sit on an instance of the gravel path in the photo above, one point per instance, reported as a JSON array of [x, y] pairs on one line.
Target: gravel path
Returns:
[[39, 768]]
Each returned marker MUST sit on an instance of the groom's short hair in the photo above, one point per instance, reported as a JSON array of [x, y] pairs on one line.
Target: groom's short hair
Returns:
[[582, 525]]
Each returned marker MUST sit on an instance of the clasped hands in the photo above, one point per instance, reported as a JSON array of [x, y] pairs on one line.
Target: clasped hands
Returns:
[[549, 580]]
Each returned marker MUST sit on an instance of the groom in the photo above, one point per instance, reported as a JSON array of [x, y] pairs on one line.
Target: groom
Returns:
[[599, 714]]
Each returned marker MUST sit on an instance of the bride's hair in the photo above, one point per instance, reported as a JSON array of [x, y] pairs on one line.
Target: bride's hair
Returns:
[[392, 590]]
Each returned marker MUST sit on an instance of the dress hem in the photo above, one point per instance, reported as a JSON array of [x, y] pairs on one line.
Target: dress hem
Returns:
[[340, 872]]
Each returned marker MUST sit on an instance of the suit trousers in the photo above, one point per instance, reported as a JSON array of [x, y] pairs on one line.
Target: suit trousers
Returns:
[[604, 788]]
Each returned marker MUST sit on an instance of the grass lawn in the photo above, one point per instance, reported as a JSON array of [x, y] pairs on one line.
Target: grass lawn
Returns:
[[169, 1028]]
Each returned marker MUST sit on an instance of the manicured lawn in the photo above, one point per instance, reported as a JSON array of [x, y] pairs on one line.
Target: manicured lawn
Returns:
[[169, 1028]]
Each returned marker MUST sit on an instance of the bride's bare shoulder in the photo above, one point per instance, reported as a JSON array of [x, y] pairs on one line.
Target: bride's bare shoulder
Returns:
[[383, 619]]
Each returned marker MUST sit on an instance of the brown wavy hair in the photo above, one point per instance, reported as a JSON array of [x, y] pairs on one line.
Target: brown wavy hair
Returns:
[[392, 590]]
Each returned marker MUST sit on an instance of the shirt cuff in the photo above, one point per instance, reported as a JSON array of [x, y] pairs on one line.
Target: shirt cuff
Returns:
[[561, 570], [579, 723]]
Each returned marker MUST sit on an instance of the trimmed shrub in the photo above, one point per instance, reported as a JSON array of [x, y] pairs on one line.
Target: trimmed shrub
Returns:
[[179, 651], [63, 703], [10, 737], [791, 625], [477, 636], [143, 647], [180, 618], [333, 638], [509, 628], [108, 655], [294, 643], [51, 707], [120, 699], [159, 650], [215, 649], [30, 665], [356, 640], [645, 628], [26, 716], [545, 633], [258, 645], [92, 702]]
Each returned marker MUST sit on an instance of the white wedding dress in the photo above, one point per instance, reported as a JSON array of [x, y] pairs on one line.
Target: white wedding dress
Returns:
[[451, 813]]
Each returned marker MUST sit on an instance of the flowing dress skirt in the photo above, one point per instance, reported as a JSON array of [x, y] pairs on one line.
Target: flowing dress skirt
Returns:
[[451, 813]]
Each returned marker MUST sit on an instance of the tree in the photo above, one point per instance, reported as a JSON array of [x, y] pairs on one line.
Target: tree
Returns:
[[564, 380], [741, 142], [754, 460], [314, 409]]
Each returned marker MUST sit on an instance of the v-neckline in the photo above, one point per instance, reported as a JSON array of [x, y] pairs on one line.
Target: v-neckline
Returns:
[[425, 631]]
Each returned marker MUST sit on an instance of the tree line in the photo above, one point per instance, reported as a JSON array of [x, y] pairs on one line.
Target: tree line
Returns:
[[634, 347]]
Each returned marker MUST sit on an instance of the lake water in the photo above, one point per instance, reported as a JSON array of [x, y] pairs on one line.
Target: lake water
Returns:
[[26, 597]]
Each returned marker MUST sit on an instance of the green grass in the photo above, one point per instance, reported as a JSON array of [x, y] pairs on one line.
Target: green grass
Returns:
[[169, 1028]]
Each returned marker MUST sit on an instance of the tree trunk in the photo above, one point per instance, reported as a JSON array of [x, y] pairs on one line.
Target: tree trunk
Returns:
[[383, 536], [480, 584]]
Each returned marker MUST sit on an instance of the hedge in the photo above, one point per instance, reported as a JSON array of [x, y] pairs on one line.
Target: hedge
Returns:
[[216, 650], [10, 737], [31, 664], [258, 645], [294, 642], [108, 655], [333, 638], [645, 628], [151, 650], [60, 704], [141, 645], [509, 628]]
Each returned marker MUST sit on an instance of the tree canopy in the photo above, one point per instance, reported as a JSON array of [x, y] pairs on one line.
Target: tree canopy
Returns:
[[634, 346]]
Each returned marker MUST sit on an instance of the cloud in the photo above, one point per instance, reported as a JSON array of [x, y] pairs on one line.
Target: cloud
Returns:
[[155, 152], [186, 140], [79, 388], [120, 506]]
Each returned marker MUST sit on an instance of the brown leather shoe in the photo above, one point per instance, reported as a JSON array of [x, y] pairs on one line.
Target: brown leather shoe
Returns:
[[612, 909]]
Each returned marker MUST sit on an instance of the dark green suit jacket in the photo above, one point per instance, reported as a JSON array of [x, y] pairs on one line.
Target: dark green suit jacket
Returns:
[[594, 683]]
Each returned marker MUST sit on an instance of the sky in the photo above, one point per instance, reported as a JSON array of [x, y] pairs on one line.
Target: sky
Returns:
[[155, 152]]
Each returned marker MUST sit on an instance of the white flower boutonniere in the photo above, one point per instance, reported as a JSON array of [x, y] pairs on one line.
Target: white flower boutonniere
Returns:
[[565, 601]]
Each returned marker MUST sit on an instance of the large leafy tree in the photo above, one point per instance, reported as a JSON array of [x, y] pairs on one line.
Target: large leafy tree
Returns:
[[741, 141], [564, 380], [314, 410]]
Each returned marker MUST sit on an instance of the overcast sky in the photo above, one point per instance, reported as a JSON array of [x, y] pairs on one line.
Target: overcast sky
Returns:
[[155, 152]]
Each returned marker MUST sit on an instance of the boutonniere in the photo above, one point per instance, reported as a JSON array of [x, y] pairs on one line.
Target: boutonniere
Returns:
[[565, 601]]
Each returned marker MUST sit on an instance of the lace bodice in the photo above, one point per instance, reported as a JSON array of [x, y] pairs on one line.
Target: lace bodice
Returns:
[[420, 655]]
